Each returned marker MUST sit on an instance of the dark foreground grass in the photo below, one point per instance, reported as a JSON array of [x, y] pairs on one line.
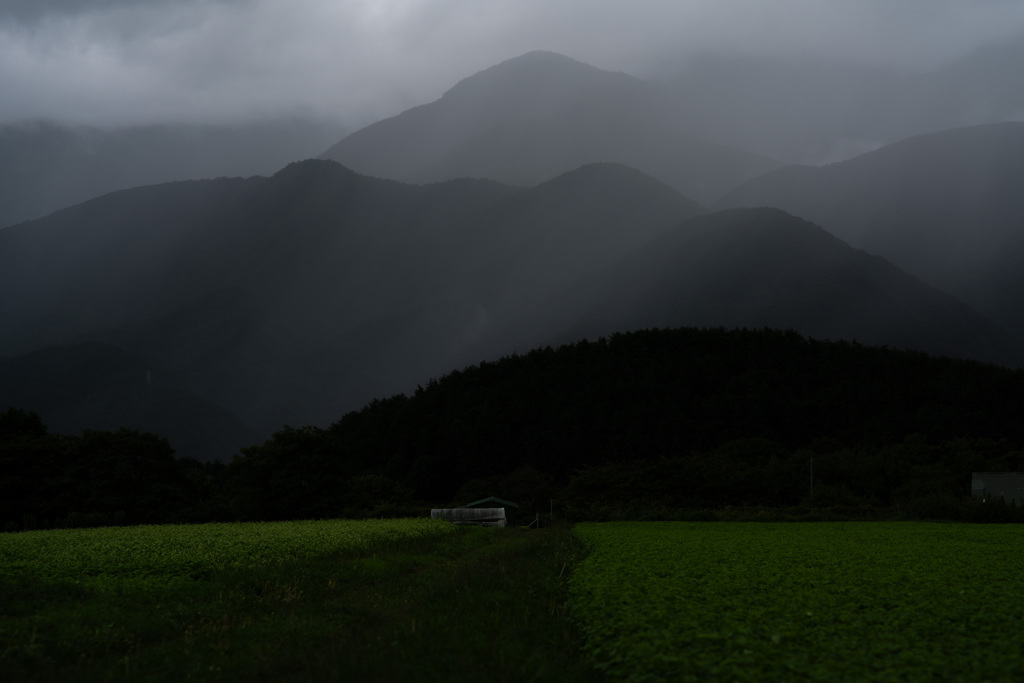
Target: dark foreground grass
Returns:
[[478, 604]]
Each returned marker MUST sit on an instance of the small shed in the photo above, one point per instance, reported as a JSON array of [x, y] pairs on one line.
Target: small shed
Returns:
[[1008, 486], [508, 506], [466, 515]]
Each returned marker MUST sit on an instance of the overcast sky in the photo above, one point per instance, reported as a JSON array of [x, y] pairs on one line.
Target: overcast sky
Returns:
[[141, 61]]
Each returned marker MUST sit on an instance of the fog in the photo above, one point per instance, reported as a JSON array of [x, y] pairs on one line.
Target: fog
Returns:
[[119, 62]]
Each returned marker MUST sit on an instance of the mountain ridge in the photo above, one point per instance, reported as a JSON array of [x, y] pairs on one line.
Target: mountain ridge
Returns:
[[46, 166], [760, 268], [534, 117], [294, 298], [945, 206]]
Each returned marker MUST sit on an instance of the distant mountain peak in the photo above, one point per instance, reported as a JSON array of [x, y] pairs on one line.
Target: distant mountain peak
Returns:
[[536, 61], [543, 72], [542, 58], [298, 168], [602, 169], [542, 55], [603, 176], [534, 117]]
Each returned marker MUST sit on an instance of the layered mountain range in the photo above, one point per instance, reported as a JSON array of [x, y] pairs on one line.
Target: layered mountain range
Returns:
[[556, 201], [46, 166], [529, 119], [946, 207]]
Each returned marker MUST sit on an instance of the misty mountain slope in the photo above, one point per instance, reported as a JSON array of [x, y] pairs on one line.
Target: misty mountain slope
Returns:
[[91, 385], [529, 119], [315, 253], [172, 243], [816, 111], [794, 109], [45, 166], [295, 298], [521, 249], [70, 272], [758, 268], [947, 207], [979, 88]]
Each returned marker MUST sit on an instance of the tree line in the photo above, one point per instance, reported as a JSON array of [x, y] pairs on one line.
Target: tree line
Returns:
[[647, 424]]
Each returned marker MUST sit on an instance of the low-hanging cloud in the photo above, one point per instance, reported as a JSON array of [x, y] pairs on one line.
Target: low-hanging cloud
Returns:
[[135, 61]]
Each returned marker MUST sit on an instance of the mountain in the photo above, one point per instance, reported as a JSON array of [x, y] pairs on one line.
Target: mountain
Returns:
[[946, 207], [46, 166], [534, 117], [537, 242], [294, 298], [761, 268]]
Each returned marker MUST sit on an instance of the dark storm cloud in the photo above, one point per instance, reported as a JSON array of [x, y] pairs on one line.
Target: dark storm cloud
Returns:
[[124, 61], [32, 11]]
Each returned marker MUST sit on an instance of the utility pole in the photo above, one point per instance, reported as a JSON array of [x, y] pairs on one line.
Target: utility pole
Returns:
[[812, 479]]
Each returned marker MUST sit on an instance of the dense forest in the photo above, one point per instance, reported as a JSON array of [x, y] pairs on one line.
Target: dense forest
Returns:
[[648, 424]]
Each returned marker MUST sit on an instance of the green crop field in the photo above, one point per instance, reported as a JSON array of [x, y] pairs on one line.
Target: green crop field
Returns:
[[375, 600], [125, 556], [118, 558], [422, 600], [802, 602]]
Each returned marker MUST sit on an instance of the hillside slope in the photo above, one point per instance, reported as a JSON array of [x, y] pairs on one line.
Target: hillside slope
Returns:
[[765, 268], [946, 207]]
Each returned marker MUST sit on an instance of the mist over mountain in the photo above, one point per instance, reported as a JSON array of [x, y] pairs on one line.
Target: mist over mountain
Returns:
[[46, 166], [823, 110], [295, 298], [946, 207], [761, 268], [531, 118]]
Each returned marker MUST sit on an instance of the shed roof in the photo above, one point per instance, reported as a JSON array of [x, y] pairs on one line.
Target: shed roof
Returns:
[[478, 516], [491, 501]]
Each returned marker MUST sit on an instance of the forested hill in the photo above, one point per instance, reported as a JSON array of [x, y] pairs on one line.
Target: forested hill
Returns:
[[747, 400], [662, 420]]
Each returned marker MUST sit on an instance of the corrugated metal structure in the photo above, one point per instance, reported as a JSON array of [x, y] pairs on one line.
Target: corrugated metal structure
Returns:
[[467, 515], [1008, 486], [492, 502]]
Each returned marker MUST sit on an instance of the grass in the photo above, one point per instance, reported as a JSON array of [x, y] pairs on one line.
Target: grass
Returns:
[[450, 607]]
